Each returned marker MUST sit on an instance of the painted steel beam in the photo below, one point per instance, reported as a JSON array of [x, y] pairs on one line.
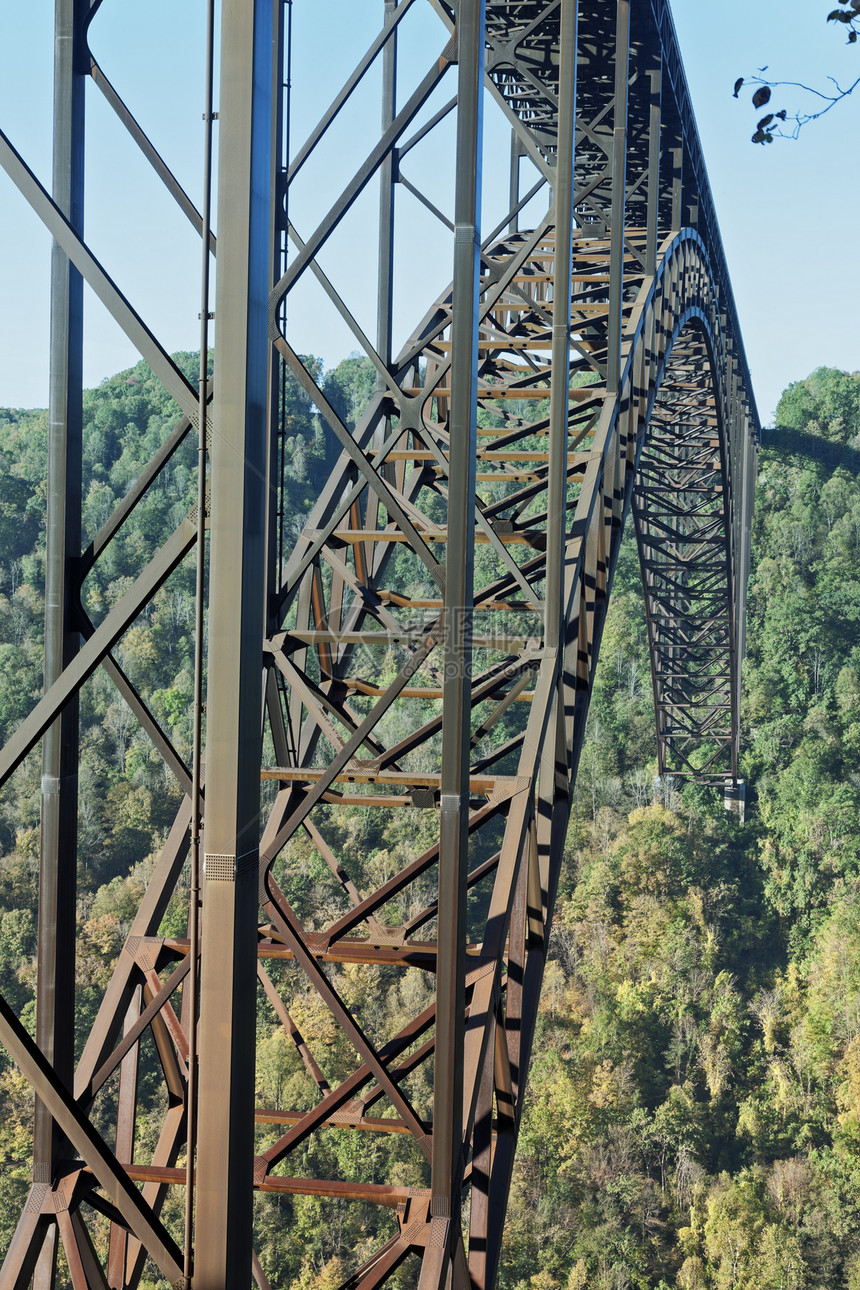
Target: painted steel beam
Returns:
[[228, 974], [55, 1010]]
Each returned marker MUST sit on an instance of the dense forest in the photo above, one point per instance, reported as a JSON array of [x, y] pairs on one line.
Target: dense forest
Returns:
[[694, 1108]]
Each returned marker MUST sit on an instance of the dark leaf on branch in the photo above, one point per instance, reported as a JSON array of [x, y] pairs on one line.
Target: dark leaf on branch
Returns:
[[852, 37], [738, 83], [840, 15], [781, 115], [761, 96], [766, 120]]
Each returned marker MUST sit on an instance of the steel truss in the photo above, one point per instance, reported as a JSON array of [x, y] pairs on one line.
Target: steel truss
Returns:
[[463, 544]]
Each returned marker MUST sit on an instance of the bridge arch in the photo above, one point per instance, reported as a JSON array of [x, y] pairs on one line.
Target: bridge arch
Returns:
[[693, 545], [682, 502]]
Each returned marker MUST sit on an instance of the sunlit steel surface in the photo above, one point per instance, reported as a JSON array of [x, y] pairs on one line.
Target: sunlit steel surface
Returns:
[[463, 543]]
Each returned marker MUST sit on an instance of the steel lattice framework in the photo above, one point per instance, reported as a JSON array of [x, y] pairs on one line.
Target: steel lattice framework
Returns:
[[451, 581]]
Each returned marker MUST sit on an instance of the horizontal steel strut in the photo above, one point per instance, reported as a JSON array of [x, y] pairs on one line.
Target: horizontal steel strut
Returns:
[[426, 643]]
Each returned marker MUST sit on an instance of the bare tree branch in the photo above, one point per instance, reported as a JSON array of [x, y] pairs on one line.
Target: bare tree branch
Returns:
[[779, 124]]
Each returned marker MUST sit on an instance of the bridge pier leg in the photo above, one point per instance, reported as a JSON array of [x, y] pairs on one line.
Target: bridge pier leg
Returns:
[[55, 995], [228, 968], [653, 202], [618, 163], [443, 1264], [735, 798]]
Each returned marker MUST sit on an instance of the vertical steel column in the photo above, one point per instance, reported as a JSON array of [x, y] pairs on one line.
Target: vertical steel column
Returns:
[[514, 188], [192, 990], [619, 181], [737, 596], [746, 500], [652, 235], [677, 186], [281, 65], [447, 1169], [387, 178], [234, 695], [553, 755], [385, 269], [385, 275], [560, 379], [55, 998], [693, 213]]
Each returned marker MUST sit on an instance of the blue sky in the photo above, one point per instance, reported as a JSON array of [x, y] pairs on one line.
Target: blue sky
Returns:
[[787, 212]]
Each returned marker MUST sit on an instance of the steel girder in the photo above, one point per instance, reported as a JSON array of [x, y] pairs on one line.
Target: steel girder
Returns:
[[450, 583]]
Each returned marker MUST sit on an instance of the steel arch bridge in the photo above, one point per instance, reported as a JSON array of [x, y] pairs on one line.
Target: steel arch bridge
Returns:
[[424, 641]]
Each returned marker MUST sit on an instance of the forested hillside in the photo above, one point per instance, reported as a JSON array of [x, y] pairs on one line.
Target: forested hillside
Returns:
[[694, 1109], [695, 1103]]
